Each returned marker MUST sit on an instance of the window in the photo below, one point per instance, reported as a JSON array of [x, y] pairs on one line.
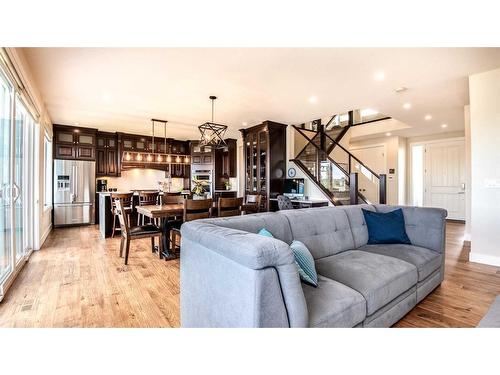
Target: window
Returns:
[[47, 147]]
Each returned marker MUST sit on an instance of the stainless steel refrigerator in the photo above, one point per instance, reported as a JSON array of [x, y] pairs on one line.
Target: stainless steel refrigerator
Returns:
[[74, 192]]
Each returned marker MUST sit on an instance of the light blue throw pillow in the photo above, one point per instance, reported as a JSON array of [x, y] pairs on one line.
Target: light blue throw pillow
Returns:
[[305, 263], [264, 232]]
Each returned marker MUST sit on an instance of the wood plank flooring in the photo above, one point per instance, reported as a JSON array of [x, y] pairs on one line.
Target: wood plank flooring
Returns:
[[78, 280]]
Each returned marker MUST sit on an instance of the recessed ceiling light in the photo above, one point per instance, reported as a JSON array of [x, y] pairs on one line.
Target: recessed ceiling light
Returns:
[[407, 105], [401, 89], [105, 97], [313, 99], [379, 76], [77, 123], [444, 125], [244, 123], [428, 117], [388, 134]]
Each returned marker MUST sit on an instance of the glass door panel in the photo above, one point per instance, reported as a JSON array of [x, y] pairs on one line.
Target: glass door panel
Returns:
[[263, 161], [254, 162], [5, 179], [18, 186]]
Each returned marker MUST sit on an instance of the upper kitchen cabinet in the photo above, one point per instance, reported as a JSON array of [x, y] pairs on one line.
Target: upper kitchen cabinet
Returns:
[[201, 154], [107, 154], [74, 142]]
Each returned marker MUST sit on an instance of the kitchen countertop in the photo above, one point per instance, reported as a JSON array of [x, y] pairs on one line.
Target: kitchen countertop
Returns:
[[136, 192]]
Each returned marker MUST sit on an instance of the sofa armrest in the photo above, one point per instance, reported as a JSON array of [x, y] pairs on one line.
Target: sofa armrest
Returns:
[[425, 226], [232, 278], [248, 249]]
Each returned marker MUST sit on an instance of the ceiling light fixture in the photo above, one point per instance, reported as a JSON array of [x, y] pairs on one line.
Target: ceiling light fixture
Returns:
[[401, 89], [428, 117], [244, 123], [313, 99], [407, 105], [379, 76], [444, 125], [388, 134], [212, 134]]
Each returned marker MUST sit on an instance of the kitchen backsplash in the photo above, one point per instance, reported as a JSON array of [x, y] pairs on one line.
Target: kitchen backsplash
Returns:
[[142, 179]]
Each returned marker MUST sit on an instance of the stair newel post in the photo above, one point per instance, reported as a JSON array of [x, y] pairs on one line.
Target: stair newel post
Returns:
[[353, 188], [383, 189]]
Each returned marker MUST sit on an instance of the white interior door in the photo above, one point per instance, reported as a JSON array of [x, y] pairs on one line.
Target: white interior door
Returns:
[[445, 177], [374, 158]]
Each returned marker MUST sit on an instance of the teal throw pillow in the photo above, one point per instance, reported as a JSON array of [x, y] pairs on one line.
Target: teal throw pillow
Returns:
[[305, 263], [264, 232]]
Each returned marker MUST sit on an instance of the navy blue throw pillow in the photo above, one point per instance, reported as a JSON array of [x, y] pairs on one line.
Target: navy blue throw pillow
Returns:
[[386, 228]]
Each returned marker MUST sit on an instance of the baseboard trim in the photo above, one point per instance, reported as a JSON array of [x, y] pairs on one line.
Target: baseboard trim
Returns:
[[44, 236], [484, 259]]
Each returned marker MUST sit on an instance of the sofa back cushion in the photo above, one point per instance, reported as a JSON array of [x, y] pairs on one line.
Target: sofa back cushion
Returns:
[[277, 225], [357, 222], [325, 230]]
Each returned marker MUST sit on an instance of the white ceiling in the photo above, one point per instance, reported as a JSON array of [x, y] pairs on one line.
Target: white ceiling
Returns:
[[121, 89]]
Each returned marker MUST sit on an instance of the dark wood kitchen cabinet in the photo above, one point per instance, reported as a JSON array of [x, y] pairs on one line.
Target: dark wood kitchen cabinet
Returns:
[[225, 163], [107, 154], [74, 142], [265, 160]]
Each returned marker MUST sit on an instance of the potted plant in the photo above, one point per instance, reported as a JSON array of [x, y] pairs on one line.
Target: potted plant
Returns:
[[199, 189]]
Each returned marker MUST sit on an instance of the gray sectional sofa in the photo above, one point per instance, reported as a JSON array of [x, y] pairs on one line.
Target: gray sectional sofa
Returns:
[[233, 277]]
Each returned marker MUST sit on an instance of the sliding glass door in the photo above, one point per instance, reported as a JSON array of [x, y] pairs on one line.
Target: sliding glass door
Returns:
[[5, 179], [17, 177]]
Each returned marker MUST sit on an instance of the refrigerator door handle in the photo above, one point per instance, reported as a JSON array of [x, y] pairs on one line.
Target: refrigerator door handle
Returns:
[[76, 181], [16, 190]]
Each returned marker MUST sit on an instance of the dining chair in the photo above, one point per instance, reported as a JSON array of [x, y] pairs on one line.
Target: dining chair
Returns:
[[126, 200], [132, 233], [229, 207], [252, 204], [147, 198], [194, 209], [284, 203]]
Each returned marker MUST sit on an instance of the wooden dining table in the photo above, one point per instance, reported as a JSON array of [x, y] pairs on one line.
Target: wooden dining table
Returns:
[[163, 212]]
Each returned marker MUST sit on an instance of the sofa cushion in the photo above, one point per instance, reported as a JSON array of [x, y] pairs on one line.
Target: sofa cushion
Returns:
[[324, 230], [357, 222], [426, 261], [333, 304], [277, 225], [378, 278], [386, 227], [305, 263]]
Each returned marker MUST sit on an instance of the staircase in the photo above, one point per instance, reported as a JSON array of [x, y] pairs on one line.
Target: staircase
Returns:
[[340, 175]]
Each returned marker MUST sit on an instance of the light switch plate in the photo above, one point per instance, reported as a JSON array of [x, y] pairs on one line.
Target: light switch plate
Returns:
[[492, 183]]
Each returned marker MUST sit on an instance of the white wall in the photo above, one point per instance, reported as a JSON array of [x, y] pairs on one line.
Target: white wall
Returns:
[[142, 179], [467, 236], [484, 91], [393, 159]]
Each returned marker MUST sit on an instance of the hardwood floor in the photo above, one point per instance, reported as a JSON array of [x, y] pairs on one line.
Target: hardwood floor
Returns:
[[78, 280]]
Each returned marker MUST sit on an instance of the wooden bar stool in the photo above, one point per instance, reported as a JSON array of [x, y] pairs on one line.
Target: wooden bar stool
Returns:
[[146, 198], [131, 233], [126, 200], [229, 207], [193, 210]]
